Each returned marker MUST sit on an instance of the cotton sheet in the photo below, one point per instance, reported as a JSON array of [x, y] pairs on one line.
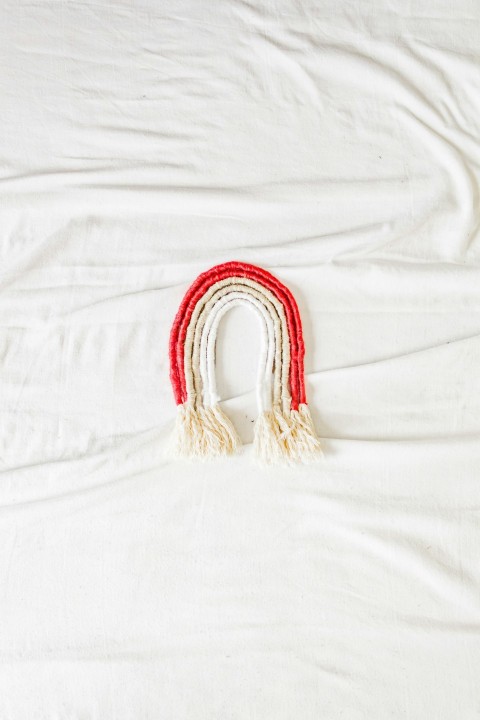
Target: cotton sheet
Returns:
[[336, 144]]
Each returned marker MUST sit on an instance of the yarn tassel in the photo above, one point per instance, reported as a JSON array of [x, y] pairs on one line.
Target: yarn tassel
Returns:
[[202, 432], [284, 439], [267, 441], [270, 438], [220, 437], [302, 440], [188, 434]]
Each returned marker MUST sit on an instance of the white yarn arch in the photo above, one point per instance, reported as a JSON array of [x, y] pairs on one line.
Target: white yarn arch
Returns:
[[227, 302], [192, 348]]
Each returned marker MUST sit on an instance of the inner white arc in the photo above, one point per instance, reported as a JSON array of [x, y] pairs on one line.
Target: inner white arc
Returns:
[[208, 342], [203, 307]]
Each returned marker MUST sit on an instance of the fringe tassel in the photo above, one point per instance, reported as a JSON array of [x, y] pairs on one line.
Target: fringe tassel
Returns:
[[220, 436], [188, 435], [283, 440], [269, 445], [304, 445], [204, 432]]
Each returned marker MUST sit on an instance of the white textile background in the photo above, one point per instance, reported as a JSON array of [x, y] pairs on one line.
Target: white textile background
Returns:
[[336, 144]]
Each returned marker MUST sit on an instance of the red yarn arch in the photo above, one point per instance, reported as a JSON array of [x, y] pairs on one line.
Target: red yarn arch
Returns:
[[195, 292]]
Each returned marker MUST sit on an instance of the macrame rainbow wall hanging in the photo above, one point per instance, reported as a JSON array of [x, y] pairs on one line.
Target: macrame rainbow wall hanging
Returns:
[[284, 430]]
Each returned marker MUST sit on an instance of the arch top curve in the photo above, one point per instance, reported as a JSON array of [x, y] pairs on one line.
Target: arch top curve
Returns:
[[190, 353], [189, 310]]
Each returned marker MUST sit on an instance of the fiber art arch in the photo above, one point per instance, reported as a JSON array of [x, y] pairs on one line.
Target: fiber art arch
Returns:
[[284, 429]]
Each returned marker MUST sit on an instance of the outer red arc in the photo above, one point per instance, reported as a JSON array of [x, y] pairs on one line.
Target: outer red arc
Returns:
[[195, 293], [236, 269], [194, 297]]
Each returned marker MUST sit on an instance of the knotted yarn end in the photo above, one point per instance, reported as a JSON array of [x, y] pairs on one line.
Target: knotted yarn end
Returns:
[[203, 432]]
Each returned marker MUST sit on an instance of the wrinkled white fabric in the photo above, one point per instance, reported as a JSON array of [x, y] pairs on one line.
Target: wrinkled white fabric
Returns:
[[336, 144]]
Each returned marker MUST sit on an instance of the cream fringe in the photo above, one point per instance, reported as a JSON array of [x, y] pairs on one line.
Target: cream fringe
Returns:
[[303, 442], [284, 439], [204, 432], [279, 439], [269, 441]]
